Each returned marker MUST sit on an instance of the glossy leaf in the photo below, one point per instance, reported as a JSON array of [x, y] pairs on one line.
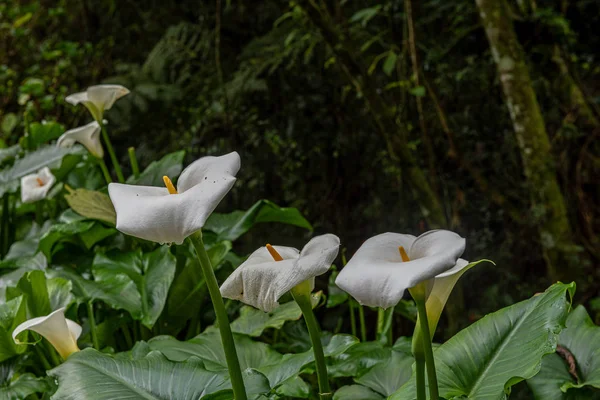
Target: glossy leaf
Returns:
[[92, 204], [12, 313], [581, 338], [253, 322], [23, 386], [136, 282], [484, 360], [170, 165], [92, 375], [232, 226], [356, 392]]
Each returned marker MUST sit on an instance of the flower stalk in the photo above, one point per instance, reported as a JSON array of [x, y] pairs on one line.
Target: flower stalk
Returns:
[[233, 364], [301, 294], [426, 350], [111, 152], [302, 297], [92, 320], [135, 168], [105, 172]]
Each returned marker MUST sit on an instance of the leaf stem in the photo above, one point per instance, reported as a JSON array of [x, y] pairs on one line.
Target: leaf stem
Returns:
[[233, 364], [111, 152], [352, 317], [92, 320], [303, 300], [420, 372], [104, 169], [427, 350], [363, 325], [135, 168]]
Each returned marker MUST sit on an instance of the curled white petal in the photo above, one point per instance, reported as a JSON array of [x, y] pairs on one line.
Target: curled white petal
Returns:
[[62, 333], [376, 276], [98, 98], [35, 187], [153, 214], [88, 135], [261, 281]]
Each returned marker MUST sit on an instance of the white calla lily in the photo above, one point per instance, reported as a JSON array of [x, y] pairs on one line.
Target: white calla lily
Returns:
[[35, 187], [88, 135], [98, 99], [61, 332], [440, 290], [261, 281], [377, 276], [169, 215]]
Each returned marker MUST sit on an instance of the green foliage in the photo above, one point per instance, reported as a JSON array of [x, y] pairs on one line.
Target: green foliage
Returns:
[[486, 359]]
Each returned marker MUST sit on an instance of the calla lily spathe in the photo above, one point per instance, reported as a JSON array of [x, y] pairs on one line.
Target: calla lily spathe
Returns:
[[61, 332], [35, 187], [376, 276], [154, 214], [260, 281], [88, 135], [98, 99]]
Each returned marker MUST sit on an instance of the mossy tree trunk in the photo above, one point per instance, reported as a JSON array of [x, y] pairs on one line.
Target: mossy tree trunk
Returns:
[[548, 209]]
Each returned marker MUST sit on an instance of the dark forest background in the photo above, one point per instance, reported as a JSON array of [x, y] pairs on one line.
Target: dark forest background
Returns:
[[477, 116]]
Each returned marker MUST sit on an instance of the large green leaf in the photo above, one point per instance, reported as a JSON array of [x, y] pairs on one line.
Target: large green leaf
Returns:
[[137, 282], [189, 288], [356, 392], [388, 376], [256, 355], [43, 132], [62, 233], [92, 375], [12, 313], [581, 339], [49, 156], [484, 360], [170, 165], [92, 204], [23, 386], [233, 225], [253, 322]]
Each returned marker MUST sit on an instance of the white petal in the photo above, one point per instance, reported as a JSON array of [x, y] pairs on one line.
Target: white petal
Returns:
[[375, 275], [55, 328], [74, 328], [153, 214], [77, 98], [438, 243], [439, 292], [253, 281], [104, 96], [315, 259], [209, 169], [88, 135], [261, 282], [31, 190]]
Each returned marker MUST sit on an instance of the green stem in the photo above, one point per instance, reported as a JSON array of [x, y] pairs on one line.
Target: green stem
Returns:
[[352, 317], [52, 352], [380, 321], [104, 169], [42, 357], [39, 213], [427, 350], [111, 152], [127, 336], [135, 168], [92, 319], [420, 372], [363, 325], [233, 364], [305, 304]]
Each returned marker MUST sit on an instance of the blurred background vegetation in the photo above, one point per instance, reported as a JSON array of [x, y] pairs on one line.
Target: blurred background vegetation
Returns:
[[477, 116]]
